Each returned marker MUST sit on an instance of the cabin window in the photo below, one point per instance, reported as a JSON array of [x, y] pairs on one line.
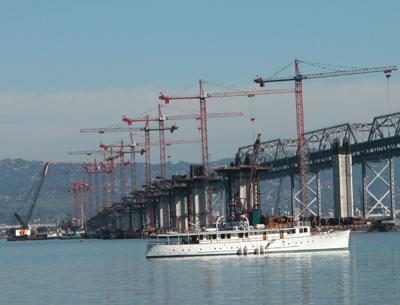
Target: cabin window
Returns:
[[209, 237], [246, 234], [214, 236], [240, 235], [305, 230], [289, 231], [301, 230], [194, 239], [201, 237], [222, 236], [293, 231], [228, 236]]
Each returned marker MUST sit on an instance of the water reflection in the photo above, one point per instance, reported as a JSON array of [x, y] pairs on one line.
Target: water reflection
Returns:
[[116, 272], [286, 278]]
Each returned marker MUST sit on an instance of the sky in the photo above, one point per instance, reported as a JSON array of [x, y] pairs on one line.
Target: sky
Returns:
[[67, 65]]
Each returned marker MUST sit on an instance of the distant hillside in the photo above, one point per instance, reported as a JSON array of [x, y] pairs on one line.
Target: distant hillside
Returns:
[[55, 200]]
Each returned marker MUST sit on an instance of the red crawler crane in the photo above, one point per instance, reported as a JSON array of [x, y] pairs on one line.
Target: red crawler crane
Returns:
[[298, 80]]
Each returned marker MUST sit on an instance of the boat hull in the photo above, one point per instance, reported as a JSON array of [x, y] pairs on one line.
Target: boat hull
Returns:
[[317, 242]]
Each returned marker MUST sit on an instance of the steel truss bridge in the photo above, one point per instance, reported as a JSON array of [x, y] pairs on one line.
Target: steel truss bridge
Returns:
[[377, 142]]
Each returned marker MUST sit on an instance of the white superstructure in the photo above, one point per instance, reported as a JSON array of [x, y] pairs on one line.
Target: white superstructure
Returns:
[[244, 241]]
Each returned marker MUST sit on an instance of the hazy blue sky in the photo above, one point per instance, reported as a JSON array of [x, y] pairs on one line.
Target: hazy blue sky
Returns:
[[65, 65]]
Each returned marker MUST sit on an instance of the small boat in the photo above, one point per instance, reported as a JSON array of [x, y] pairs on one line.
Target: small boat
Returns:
[[245, 240]]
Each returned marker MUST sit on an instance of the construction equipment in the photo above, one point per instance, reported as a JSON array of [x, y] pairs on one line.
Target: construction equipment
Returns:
[[251, 207], [254, 194], [203, 112], [24, 232], [95, 168], [298, 79], [147, 131], [161, 118], [203, 120], [78, 189], [133, 146]]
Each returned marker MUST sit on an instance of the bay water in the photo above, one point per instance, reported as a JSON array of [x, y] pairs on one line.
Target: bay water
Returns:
[[74, 272]]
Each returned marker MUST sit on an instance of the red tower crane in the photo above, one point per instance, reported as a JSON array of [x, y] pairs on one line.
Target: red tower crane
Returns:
[[132, 150], [147, 131], [298, 80], [161, 118], [142, 151], [90, 170], [78, 188], [95, 168], [111, 159], [203, 111]]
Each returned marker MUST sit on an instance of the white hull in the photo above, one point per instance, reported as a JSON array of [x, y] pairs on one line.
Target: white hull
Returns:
[[317, 242]]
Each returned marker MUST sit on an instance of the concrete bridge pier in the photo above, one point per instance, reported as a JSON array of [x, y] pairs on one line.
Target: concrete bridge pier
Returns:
[[198, 198], [240, 182], [342, 181], [179, 219], [163, 212]]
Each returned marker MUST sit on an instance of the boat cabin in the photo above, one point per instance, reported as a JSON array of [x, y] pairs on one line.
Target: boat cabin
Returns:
[[235, 235]]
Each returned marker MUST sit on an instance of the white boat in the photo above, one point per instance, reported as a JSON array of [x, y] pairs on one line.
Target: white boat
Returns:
[[245, 240]]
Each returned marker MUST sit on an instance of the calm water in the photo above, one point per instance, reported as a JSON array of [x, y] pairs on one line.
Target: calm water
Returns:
[[116, 272]]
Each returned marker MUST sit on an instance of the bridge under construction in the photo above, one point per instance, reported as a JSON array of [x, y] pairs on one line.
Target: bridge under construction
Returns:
[[203, 194], [198, 200]]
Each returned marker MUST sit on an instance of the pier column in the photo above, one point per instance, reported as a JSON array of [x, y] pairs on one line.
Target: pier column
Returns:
[[237, 192], [318, 190], [292, 194], [392, 190], [364, 188], [342, 181], [163, 212], [241, 185], [199, 206], [178, 213]]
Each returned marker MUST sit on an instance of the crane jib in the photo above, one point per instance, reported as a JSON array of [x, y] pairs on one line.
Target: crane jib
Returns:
[[386, 70]]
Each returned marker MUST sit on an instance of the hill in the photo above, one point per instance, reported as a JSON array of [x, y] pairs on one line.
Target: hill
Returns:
[[55, 201]]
